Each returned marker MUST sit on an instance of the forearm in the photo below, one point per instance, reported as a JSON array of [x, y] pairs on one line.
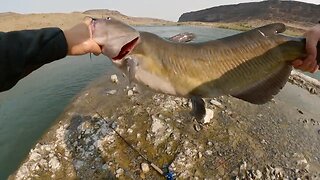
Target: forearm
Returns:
[[21, 52]]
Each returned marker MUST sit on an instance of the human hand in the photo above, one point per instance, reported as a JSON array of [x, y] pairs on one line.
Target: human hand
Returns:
[[309, 64], [79, 39]]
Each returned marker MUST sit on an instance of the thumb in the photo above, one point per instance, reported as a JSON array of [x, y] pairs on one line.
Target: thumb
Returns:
[[95, 48]]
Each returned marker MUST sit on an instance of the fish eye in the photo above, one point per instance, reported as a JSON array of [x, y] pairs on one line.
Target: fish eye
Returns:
[[108, 18]]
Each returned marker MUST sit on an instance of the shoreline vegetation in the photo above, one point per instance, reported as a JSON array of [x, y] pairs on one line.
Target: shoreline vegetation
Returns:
[[232, 144]]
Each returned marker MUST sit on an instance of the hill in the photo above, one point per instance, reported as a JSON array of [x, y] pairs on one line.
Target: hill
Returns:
[[14, 21], [296, 14]]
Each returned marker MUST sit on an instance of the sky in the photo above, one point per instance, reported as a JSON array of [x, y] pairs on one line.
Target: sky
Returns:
[[162, 9]]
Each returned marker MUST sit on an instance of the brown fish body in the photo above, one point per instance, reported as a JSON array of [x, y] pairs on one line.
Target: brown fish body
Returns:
[[252, 66], [234, 65]]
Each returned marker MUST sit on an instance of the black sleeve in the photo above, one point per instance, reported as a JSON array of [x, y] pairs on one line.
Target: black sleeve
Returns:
[[21, 52]]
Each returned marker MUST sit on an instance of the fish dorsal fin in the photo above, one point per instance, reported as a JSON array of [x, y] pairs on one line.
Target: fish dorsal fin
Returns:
[[271, 29], [266, 89]]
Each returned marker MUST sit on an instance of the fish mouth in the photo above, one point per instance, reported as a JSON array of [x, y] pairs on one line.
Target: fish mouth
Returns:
[[126, 49]]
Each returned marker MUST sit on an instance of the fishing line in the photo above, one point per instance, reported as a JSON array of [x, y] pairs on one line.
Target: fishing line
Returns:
[[155, 167]]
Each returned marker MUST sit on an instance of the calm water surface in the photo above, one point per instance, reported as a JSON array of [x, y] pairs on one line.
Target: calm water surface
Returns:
[[32, 106]]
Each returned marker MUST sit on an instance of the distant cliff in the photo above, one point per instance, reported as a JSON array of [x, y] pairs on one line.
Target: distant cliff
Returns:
[[272, 10]]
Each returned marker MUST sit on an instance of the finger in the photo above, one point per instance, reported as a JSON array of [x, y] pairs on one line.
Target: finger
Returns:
[[315, 69], [95, 49], [312, 66], [311, 44], [307, 63], [87, 23], [296, 63], [87, 20]]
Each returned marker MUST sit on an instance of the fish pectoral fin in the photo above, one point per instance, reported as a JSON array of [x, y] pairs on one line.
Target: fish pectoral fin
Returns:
[[131, 68], [266, 89], [198, 107]]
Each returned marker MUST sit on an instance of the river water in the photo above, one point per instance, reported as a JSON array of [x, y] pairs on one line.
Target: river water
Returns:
[[33, 105]]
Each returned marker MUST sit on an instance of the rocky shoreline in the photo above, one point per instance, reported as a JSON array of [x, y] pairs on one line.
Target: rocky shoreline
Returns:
[[238, 140], [305, 82]]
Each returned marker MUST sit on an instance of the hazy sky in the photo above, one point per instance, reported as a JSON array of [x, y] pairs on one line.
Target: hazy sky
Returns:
[[163, 9]]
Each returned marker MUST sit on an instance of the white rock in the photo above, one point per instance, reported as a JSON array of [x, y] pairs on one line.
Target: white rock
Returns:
[[138, 135], [78, 164], [111, 92], [263, 141], [22, 173], [302, 161], [208, 116], [129, 131], [278, 170], [138, 144], [258, 174], [54, 163], [34, 156], [36, 168], [216, 103], [243, 166], [188, 152], [91, 148], [169, 104], [159, 130], [105, 166], [43, 163], [209, 152], [114, 78], [135, 89], [47, 147], [119, 172], [130, 93], [145, 167], [157, 125]]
